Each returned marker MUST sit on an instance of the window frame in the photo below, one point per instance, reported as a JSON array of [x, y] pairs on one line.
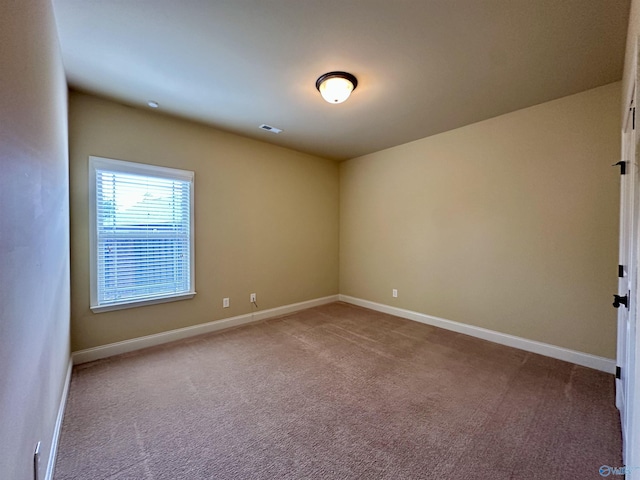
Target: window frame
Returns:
[[121, 166]]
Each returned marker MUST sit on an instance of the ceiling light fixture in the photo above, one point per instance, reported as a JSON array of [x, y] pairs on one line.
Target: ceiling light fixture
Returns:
[[335, 87], [153, 104]]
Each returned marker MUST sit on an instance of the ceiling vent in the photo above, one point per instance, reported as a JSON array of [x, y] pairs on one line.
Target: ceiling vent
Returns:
[[269, 128]]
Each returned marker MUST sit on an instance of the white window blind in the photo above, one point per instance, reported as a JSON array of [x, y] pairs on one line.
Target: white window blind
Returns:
[[143, 233]]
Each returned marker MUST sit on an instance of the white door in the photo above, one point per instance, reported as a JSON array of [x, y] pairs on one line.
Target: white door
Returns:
[[626, 299]]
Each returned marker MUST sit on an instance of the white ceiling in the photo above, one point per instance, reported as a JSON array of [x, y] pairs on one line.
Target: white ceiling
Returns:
[[423, 66]]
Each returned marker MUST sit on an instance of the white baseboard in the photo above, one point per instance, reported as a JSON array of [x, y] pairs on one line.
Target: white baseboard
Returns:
[[573, 356], [51, 464], [586, 360], [104, 351]]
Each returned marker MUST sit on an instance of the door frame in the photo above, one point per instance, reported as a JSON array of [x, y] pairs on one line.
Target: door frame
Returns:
[[629, 410]]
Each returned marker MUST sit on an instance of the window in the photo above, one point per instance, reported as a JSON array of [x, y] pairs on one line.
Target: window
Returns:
[[141, 220]]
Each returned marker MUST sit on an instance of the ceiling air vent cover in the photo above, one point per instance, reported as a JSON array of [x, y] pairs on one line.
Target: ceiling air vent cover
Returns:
[[269, 128]]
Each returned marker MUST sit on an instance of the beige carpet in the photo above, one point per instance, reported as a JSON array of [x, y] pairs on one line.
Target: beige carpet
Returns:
[[337, 392]]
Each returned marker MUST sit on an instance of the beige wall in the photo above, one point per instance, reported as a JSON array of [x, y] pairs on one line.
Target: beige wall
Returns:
[[632, 39], [34, 235], [509, 224], [266, 218]]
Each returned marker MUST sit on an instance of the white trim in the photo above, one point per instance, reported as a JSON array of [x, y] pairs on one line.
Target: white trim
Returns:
[[585, 359], [142, 303], [53, 451], [104, 351], [143, 169]]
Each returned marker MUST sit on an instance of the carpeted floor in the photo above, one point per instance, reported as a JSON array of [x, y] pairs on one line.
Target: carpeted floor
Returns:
[[337, 392]]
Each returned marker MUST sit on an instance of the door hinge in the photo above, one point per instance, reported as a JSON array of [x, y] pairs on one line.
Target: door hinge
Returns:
[[623, 167], [618, 372], [621, 300], [620, 271]]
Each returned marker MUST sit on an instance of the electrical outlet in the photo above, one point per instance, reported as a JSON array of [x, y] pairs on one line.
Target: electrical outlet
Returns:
[[394, 292], [225, 302], [36, 462], [252, 299]]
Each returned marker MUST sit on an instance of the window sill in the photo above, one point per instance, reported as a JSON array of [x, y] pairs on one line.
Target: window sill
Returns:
[[141, 303]]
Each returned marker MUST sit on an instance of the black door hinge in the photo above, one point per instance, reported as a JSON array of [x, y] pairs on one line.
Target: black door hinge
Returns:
[[621, 300], [623, 167], [620, 271], [618, 372]]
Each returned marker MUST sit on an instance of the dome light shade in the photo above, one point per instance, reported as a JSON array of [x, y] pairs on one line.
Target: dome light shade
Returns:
[[335, 87]]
